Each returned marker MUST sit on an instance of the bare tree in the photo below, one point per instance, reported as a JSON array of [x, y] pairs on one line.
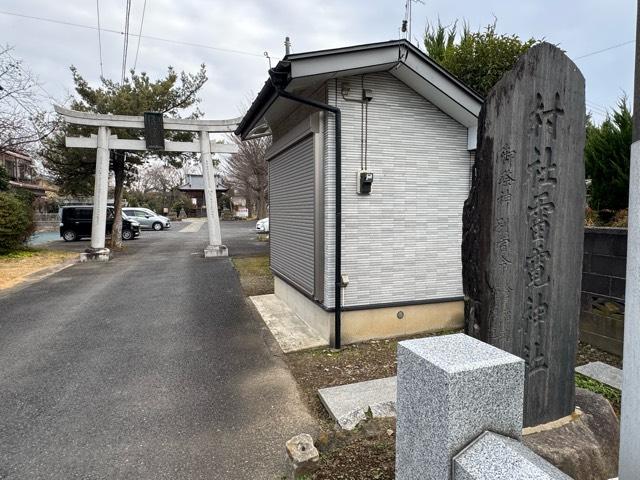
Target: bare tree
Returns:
[[158, 177], [248, 173], [23, 121]]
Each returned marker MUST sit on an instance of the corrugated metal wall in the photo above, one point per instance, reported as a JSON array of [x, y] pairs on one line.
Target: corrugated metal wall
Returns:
[[291, 208], [402, 242]]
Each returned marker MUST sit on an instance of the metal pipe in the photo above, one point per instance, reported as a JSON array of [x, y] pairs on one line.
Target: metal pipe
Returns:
[[338, 214]]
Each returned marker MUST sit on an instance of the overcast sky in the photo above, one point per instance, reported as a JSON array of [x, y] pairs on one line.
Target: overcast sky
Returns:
[[253, 26]]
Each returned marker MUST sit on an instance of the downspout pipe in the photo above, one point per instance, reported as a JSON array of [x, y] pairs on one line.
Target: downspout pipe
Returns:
[[338, 193]]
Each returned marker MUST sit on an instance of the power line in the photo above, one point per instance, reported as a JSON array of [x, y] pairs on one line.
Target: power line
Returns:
[[149, 37], [125, 44], [99, 37], [144, 7], [618, 45]]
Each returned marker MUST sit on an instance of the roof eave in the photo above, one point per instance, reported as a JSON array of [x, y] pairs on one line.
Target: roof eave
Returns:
[[261, 104], [268, 94]]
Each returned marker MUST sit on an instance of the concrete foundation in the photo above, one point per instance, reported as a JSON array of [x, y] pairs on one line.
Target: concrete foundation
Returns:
[[371, 323], [216, 251], [95, 255]]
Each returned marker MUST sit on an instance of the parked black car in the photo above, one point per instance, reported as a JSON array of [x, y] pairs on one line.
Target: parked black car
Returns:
[[75, 223]]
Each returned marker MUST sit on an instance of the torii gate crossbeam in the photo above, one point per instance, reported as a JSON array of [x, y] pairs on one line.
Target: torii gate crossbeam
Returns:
[[104, 142]]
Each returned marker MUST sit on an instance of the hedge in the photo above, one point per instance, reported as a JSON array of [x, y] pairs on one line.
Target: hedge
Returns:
[[16, 220]]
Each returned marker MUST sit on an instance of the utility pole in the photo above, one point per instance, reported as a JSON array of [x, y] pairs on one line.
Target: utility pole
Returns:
[[630, 420]]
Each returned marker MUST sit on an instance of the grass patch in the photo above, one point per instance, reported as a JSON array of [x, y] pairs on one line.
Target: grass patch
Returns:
[[255, 274], [16, 266], [612, 394], [22, 253]]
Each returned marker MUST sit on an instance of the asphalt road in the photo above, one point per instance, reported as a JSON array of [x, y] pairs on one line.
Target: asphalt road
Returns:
[[151, 366]]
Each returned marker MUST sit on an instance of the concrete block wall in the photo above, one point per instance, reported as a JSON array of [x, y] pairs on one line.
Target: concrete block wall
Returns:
[[603, 286]]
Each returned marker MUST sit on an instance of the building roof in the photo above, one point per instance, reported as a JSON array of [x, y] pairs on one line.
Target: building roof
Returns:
[[196, 182], [19, 155], [399, 57]]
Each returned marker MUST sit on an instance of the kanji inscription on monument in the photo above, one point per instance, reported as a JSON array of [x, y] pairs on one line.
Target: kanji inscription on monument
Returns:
[[523, 226]]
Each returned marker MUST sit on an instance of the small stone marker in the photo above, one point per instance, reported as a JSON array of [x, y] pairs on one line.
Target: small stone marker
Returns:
[[303, 454], [451, 389], [494, 457], [523, 226]]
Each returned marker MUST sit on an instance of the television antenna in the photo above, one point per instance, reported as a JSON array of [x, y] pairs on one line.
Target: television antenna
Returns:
[[406, 23]]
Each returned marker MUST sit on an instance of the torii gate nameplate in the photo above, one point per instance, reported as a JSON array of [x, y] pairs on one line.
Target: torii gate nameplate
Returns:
[[154, 130]]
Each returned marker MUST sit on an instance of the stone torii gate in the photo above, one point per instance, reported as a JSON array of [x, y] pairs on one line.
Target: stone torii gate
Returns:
[[153, 125]]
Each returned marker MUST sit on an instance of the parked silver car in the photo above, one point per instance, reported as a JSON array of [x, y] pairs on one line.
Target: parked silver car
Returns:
[[147, 218], [262, 226]]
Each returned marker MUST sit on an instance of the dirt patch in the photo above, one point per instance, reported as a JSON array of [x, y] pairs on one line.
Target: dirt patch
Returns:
[[588, 353], [255, 274], [368, 452], [22, 265]]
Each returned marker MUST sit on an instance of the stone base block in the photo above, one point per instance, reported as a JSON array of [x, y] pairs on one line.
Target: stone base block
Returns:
[[303, 455], [586, 448], [451, 389], [494, 457], [95, 255], [216, 251]]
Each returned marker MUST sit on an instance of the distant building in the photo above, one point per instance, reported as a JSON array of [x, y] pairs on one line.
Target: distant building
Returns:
[[239, 208], [22, 173], [194, 188]]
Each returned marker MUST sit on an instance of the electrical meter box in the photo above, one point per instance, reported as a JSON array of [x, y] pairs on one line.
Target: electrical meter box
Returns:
[[365, 179]]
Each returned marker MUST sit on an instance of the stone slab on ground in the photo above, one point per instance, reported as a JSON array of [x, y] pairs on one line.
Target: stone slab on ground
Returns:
[[348, 404], [291, 333], [603, 373], [451, 389], [495, 457]]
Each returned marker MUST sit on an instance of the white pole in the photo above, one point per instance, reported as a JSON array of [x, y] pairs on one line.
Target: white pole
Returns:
[[215, 248], [630, 420], [100, 190]]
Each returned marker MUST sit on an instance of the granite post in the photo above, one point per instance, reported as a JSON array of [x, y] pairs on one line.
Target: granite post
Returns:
[[451, 389], [630, 419], [523, 226]]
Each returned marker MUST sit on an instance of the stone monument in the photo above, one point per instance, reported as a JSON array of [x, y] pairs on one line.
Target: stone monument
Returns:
[[523, 226]]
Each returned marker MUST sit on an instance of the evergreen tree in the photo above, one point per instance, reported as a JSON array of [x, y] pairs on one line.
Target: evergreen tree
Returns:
[[479, 58], [607, 159]]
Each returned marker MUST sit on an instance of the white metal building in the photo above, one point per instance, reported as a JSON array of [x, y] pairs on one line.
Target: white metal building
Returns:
[[413, 126]]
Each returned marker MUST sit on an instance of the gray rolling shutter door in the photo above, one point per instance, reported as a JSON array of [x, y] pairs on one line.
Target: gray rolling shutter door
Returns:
[[291, 202]]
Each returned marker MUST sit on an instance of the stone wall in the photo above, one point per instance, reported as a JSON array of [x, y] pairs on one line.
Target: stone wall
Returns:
[[603, 285]]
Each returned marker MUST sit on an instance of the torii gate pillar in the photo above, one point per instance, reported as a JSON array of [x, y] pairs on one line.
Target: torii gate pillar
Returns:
[[100, 198], [215, 247]]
